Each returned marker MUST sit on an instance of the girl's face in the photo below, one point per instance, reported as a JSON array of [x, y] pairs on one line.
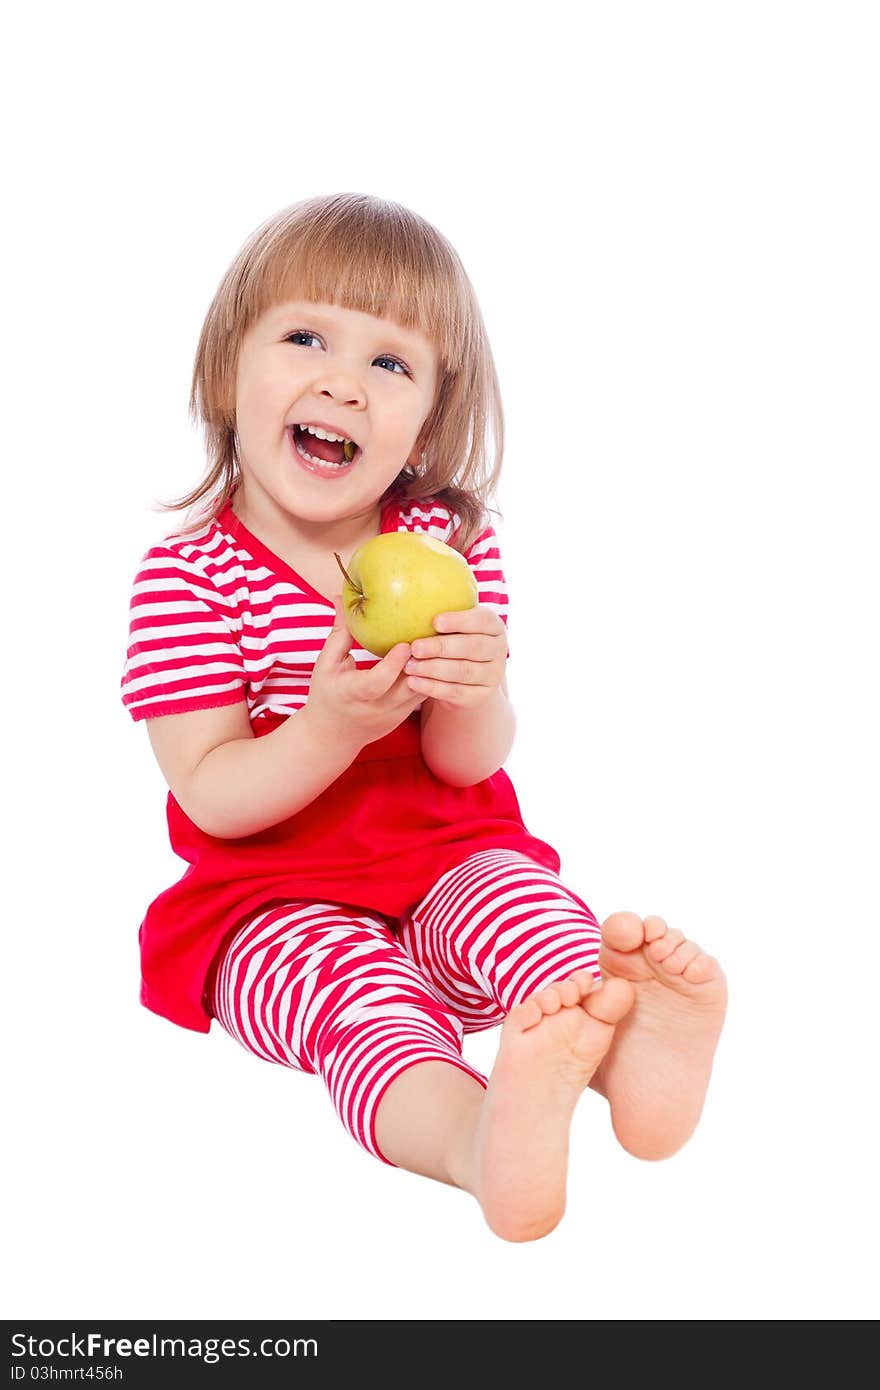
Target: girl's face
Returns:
[[351, 373]]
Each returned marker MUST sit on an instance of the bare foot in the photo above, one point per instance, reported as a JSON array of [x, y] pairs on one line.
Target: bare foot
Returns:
[[657, 1068], [550, 1046]]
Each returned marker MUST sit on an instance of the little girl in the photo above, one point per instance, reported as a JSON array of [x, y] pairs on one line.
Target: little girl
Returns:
[[362, 889]]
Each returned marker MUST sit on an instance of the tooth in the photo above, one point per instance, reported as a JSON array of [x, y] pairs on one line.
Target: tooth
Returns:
[[320, 433], [348, 449]]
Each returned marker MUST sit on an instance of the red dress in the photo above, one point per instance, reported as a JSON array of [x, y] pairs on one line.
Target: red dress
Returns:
[[378, 837]]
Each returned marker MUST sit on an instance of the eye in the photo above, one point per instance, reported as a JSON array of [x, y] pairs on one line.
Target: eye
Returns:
[[395, 363], [300, 333]]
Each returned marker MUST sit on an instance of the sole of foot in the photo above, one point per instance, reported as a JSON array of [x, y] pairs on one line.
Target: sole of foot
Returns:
[[657, 1069], [550, 1047]]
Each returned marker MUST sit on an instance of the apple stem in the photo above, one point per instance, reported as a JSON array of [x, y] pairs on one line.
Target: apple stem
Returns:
[[348, 578]]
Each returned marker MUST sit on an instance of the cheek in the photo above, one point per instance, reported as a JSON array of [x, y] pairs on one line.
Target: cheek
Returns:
[[402, 422], [265, 402]]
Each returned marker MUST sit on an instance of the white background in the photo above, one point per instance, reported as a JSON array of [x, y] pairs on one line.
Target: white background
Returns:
[[669, 213]]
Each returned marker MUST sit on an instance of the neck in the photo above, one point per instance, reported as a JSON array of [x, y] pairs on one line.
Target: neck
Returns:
[[284, 532]]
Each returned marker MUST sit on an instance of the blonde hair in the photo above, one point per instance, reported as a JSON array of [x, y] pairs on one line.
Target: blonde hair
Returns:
[[364, 253]]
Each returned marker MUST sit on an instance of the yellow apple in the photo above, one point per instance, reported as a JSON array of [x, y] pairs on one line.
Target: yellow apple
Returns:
[[397, 583]]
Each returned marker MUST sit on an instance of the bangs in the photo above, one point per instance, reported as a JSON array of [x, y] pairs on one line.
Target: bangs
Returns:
[[375, 257]]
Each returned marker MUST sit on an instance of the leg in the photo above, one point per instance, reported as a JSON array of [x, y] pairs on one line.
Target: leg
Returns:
[[500, 935], [492, 928], [495, 930], [328, 990], [311, 987], [510, 1149], [426, 1122]]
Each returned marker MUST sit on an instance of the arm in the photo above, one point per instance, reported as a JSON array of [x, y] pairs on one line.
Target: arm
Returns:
[[246, 785], [468, 723], [232, 784], [464, 746]]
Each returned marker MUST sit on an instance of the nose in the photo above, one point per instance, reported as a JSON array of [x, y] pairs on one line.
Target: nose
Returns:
[[342, 386]]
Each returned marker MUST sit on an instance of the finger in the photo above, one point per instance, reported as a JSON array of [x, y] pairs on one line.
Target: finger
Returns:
[[339, 639], [414, 700], [403, 699], [464, 647], [453, 694], [339, 618], [381, 678], [456, 672], [480, 618]]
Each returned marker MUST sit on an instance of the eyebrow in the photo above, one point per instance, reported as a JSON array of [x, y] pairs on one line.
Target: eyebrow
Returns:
[[391, 333]]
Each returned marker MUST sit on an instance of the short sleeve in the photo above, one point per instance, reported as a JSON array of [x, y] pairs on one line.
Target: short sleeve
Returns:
[[484, 558], [184, 651]]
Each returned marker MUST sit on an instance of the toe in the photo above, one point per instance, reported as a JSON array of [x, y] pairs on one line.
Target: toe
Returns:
[[524, 1016], [681, 957], [568, 992], [623, 931], [548, 1000], [585, 981], [701, 969], [664, 945], [611, 1002], [654, 928]]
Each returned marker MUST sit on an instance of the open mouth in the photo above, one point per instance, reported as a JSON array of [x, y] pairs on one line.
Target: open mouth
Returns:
[[330, 456]]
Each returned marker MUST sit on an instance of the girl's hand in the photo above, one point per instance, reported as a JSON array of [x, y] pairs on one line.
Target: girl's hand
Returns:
[[466, 665], [357, 707]]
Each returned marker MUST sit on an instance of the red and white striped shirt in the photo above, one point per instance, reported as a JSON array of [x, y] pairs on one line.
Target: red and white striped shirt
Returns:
[[217, 617]]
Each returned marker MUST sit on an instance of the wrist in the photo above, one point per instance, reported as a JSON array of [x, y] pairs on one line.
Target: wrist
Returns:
[[329, 733], [453, 715], [464, 745]]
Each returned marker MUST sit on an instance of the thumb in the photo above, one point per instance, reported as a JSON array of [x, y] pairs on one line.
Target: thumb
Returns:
[[339, 640]]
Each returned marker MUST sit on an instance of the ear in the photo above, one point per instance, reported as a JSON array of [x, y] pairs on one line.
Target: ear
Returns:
[[416, 458]]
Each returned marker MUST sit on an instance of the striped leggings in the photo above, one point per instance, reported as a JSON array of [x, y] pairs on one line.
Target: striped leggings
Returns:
[[358, 997]]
